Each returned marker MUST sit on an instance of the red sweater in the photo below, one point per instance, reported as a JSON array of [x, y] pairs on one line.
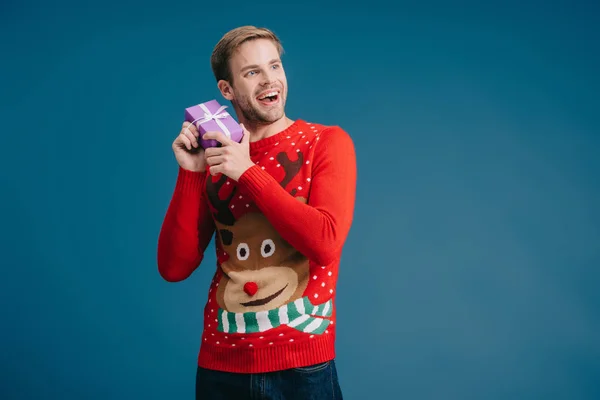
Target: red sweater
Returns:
[[279, 233]]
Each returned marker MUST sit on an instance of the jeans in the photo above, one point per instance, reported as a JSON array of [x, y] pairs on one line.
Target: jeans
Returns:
[[315, 382]]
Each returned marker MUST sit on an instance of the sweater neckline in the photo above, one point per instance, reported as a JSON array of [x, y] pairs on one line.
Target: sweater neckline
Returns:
[[262, 144]]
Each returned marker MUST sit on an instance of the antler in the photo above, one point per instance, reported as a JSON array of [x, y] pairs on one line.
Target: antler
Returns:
[[223, 214], [290, 167]]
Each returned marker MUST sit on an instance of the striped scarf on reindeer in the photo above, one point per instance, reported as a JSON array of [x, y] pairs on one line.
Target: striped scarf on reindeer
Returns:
[[299, 314]]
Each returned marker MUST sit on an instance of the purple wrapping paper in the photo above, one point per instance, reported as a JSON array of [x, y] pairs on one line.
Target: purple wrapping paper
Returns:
[[222, 122]]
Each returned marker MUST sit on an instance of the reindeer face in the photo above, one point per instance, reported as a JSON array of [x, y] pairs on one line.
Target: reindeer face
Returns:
[[263, 271]]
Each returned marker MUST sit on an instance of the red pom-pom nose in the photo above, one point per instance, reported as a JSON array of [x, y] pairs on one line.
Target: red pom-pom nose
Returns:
[[250, 288]]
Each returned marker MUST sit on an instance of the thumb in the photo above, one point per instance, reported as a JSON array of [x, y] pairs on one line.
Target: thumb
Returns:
[[246, 136]]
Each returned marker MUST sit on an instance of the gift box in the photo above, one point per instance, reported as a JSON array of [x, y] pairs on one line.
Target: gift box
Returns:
[[211, 116]]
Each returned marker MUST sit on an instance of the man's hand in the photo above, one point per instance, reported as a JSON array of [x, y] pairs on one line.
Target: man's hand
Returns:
[[188, 153], [231, 159]]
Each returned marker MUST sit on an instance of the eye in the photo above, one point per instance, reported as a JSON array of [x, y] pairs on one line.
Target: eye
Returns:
[[243, 251], [267, 248]]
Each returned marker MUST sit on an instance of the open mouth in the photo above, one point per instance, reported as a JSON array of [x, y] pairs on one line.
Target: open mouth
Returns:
[[269, 98], [262, 302]]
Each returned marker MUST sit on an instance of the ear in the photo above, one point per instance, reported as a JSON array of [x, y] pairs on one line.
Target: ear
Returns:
[[226, 89], [226, 237]]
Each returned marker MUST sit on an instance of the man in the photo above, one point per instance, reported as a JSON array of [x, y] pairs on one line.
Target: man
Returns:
[[280, 204]]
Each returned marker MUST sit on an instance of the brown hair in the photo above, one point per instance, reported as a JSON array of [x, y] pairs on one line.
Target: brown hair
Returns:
[[225, 48]]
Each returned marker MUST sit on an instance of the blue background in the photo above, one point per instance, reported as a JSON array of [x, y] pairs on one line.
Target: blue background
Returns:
[[472, 268]]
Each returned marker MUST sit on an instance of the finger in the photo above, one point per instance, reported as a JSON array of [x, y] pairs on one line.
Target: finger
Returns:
[[183, 141], [215, 151], [216, 169], [190, 127], [192, 138], [215, 160], [218, 136]]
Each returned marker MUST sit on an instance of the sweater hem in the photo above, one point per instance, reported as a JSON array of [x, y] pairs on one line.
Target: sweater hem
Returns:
[[267, 359]]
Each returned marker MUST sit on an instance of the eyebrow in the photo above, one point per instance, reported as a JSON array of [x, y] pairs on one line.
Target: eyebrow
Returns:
[[253, 66]]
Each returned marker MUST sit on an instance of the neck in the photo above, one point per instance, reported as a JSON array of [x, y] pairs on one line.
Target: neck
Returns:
[[259, 131]]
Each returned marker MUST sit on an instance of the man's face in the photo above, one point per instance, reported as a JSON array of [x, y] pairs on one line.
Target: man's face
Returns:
[[259, 82]]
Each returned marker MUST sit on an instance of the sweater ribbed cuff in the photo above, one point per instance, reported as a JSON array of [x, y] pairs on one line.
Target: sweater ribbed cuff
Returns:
[[189, 181], [255, 180]]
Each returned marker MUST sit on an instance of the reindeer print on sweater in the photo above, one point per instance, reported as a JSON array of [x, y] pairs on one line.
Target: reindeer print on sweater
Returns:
[[263, 278]]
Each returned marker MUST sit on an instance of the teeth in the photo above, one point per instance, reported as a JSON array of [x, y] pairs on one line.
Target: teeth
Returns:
[[267, 95]]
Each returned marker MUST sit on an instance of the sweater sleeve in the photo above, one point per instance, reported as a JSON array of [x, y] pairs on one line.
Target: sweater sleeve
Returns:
[[187, 228], [317, 229]]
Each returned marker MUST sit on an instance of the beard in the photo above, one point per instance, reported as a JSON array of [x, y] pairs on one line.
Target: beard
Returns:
[[253, 112]]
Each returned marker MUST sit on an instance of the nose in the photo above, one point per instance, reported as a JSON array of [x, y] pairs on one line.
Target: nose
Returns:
[[268, 78], [250, 288]]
